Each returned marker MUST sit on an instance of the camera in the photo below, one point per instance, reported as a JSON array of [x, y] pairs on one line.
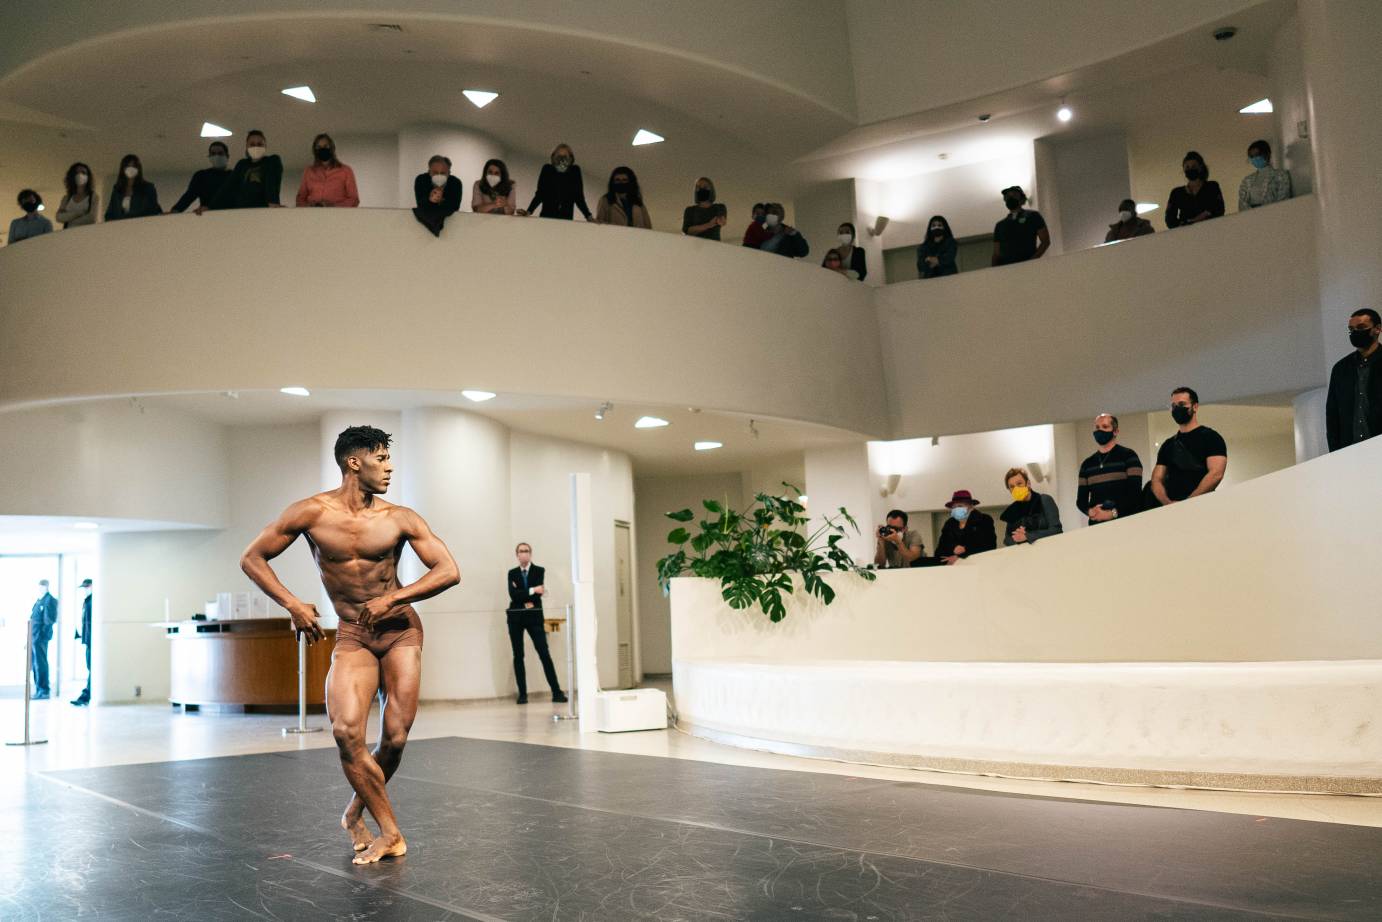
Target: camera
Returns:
[[885, 530]]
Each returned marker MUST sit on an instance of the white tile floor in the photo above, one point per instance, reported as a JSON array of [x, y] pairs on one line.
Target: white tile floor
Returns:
[[120, 734]]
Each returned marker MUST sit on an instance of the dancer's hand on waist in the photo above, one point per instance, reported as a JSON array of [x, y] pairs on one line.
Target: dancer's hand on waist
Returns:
[[376, 610], [305, 622]]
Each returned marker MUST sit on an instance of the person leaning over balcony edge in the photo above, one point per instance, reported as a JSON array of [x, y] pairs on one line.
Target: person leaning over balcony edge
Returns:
[[898, 546], [1032, 515], [1190, 463], [437, 194], [1353, 407], [966, 532]]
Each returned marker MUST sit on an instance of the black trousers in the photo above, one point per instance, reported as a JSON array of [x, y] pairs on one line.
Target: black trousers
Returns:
[[530, 621], [38, 659], [86, 693]]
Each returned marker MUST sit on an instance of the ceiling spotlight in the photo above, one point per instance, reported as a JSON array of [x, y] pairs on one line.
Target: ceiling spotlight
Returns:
[[478, 396], [650, 422], [604, 408], [212, 130], [709, 446], [480, 98], [86, 526], [1144, 207], [1261, 107], [300, 92], [1064, 113], [295, 391], [645, 136]]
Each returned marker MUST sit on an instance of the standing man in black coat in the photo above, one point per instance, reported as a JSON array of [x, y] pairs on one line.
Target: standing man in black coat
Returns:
[[41, 620], [84, 635], [526, 590], [1353, 407]]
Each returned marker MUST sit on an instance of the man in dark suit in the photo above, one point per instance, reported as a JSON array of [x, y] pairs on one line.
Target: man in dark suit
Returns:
[[84, 635], [526, 590], [41, 620]]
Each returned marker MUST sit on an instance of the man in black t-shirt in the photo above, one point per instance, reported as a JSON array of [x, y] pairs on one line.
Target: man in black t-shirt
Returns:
[[1191, 462], [1022, 235]]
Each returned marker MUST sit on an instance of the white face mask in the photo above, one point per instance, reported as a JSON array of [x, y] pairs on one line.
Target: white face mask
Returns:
[[439, 179], [256, 153], [845, 239], [562, 166], [1125, 215], [131, 172], [492, 179], [771, 220], [80, 179]]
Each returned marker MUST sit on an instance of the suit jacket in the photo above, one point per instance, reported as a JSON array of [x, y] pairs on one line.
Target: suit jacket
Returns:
[[44, 615], [520, 597], [1338, 405]]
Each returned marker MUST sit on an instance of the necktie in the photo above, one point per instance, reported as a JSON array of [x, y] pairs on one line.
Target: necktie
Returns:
[[525, 580]]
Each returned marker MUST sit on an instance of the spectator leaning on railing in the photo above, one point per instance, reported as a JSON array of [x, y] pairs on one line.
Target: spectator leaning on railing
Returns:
[[1128, 225], [437, 194], [1110, 484], [256, 180], [1199, 199], [132, 196], [967, 532], [856, 265], [898, 545], [782, 239], [206, 184], [705, 218], [1022, 235], [1266, 184], [31, 223], [1032, 516], [80, 205], [623, 202], [757, 230], [327, 182], [560, 187], [1193, 461], [1353, 407], [936, 255]]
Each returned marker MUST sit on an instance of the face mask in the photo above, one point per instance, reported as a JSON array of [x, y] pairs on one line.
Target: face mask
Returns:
[[621, 188], [29, 205], [562, 165], [439, 179], [1257, 162], [256, 152], [1125, 216], [1181, 414], [322, 153], [959, 513], [845, 239], [759, 218], [80, 179], [1360, 339], [219, 161], [492, 179], [131, 172], [702, 195], [1021, 494], [937, 231], [1012, 202], [1192, 173], [771, 220], [1103, 438]]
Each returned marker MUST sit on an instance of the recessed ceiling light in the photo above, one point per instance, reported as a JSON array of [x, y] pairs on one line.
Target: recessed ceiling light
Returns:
[[295, 391], [212, 130], [709, 446], [478, 396], [645, 136], [480, 98], [1144, 207], [1261, 107], [86, 526], [1065, 113], [650, 422], [301, 92]]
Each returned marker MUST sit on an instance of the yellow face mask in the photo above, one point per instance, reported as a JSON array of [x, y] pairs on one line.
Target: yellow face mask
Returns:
[[1021, 493]]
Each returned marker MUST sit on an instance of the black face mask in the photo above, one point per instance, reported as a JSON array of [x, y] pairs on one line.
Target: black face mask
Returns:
[[1193, 173], [1012, 203], [1360, 339], [29, 206], [322, 153], [1181, 414], [1103, 437], [702, 195], [621, 188]]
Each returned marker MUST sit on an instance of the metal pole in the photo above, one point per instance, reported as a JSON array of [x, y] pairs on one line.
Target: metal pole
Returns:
[[302, 692], [570, 669], [28, 689]]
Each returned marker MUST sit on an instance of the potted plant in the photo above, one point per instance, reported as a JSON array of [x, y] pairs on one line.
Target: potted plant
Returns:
[[755, 554]]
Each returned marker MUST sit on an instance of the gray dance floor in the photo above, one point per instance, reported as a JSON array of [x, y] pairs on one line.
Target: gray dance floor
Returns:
[[521, 832]]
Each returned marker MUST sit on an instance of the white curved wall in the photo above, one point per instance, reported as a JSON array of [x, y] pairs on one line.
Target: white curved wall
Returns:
[[367, 298]]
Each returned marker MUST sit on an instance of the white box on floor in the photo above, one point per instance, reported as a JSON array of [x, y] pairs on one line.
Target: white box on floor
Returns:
[[634, 709]]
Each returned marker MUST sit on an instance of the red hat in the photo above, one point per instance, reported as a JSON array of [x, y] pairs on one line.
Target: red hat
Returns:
[[961, 496]]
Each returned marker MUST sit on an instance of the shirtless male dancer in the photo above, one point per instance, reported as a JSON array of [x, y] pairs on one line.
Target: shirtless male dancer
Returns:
[[357, 540]]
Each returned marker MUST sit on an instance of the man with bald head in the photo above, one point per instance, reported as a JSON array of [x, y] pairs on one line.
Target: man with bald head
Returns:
[[1110, 485]]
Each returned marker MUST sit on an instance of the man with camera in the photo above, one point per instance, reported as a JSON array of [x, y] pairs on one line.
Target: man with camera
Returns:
[[898, 545]]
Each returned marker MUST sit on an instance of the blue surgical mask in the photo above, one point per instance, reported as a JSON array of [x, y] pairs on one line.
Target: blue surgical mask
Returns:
[[959, 513], [1257, 162]]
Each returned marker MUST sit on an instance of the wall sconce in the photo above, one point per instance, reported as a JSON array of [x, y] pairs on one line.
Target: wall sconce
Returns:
[[890, 485], [879, 225], [1038, 475]]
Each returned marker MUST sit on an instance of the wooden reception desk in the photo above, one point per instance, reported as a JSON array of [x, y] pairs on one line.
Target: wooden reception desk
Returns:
[[247, 664]]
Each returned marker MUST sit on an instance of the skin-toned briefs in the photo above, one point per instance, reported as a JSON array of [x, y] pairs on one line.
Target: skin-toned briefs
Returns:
[[403, 631]]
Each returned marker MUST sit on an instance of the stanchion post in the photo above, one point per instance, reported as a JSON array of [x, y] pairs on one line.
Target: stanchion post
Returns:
[[302, 692], [570, 669], [28, 690]]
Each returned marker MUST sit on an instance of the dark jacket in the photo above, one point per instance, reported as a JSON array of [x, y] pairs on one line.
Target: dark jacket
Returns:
[[203, 188], [858, 264], [977, 536], [1038, 514], [450, 195], [84, 634], [1338, 405], [143, 202], [43, 616], [784, 244], [1182, 206], [519, 597], [1137, 227], [560, 194], [251, 184], [944, 252]]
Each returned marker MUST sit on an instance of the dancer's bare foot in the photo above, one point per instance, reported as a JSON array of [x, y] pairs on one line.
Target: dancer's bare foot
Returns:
[[354, 824], [382, 847]]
